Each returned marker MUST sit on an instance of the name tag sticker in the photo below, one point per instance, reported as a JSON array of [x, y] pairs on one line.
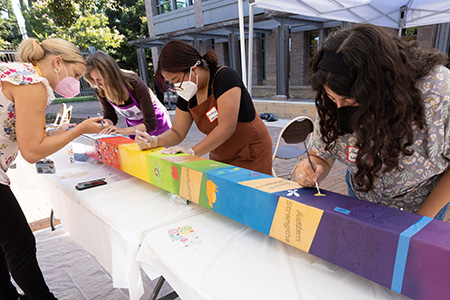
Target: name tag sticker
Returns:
[[352, 152], [342, 210], [45, 166], [212, 114]]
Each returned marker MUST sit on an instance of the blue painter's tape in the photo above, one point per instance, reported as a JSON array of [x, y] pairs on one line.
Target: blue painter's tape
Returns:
[[342, 210], [402, 252]]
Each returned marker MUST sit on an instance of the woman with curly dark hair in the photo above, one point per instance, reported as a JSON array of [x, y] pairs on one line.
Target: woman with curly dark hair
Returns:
[[383, 111]]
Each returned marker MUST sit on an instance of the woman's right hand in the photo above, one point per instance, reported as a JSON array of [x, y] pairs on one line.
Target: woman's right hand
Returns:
[[305, 175], [145, 141]]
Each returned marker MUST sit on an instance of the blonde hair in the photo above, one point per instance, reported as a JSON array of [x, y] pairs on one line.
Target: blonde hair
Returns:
[[32, 51], [115, 80]]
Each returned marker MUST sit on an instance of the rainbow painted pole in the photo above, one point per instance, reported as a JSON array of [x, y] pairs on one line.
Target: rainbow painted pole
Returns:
[[405, 252]]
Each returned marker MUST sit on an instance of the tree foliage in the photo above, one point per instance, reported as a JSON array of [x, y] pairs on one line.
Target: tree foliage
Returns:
[[107, 25], [131, 21], [84, 25], [9, 29]]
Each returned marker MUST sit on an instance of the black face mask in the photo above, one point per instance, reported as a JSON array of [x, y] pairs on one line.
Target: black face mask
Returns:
[[345, 116]]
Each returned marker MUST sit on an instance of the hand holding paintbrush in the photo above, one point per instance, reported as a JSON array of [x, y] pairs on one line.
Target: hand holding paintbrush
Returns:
[[314, 170]]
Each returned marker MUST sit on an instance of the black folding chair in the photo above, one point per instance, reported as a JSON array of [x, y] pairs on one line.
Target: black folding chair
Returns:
[[293, 133]]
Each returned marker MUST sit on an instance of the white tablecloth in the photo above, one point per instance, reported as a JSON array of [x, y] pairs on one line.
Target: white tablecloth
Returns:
[[222, 259], [108, 221]]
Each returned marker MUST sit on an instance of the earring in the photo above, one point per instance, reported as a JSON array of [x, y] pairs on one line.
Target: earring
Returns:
[[57, 70]]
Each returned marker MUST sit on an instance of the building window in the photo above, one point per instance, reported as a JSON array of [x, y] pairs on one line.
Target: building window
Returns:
[[313, 43], [184, 3], [409, 33], [163, 6]]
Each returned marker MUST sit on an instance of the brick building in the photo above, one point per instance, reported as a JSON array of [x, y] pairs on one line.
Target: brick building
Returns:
[[283, 43]]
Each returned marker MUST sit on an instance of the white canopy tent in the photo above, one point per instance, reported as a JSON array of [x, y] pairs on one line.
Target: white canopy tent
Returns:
[[388, 13]]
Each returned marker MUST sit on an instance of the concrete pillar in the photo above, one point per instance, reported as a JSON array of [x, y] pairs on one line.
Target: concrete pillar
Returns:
[[150, 10], [443, 37], [142, 62], [198, 11], [233, 51]]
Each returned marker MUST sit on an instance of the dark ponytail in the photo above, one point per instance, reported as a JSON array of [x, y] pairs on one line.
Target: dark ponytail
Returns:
[[211, 58]]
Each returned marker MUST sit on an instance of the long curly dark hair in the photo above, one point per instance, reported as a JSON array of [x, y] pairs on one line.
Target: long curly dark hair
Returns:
[[383, 72]]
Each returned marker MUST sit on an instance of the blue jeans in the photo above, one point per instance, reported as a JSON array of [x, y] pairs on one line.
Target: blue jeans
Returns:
[[351, 193]]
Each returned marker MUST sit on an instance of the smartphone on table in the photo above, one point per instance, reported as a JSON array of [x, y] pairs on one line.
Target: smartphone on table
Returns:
[[90, 184]]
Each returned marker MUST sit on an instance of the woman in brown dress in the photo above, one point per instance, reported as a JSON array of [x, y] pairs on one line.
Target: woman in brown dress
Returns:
[[217, 101]]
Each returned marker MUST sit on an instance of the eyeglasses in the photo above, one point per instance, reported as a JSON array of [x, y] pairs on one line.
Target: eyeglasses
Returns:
[[179, 87]]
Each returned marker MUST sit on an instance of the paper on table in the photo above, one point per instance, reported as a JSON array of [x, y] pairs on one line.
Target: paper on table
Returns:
[[183, 236], [97, 136]]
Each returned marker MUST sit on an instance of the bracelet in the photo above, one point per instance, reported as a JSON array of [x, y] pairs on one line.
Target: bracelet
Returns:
[[191, 151]]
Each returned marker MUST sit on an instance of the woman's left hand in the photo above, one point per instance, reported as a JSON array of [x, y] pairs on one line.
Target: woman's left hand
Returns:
[[178, 149], [110, 129]]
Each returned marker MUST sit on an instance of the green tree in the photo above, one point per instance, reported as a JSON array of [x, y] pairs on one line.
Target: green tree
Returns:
[[9, 29], [130, 19], [84, 25], [107, 25]]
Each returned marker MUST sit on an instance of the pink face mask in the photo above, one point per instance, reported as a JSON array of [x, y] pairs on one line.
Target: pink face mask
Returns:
[[68, 87]]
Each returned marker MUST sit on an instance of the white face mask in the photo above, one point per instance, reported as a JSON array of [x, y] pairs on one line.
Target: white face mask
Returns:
[[188, 88]]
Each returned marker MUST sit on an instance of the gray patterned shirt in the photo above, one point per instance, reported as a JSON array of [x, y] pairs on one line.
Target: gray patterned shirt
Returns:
[[408, 186]]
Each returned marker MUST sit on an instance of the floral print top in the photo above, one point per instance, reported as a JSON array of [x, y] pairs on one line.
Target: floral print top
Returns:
[[19, 74], [408, 186]]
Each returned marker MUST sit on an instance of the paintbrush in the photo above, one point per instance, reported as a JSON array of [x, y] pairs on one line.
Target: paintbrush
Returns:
[[134, 128], [101, 121], [310, 162]]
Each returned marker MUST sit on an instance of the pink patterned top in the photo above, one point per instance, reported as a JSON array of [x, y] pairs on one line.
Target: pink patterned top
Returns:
[[19, 74]]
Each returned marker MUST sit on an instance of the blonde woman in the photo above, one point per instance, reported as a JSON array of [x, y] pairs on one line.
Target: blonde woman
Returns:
[[123, 92], [26, 89]]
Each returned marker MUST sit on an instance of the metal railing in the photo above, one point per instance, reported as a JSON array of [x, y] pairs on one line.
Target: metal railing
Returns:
[[7, 54]]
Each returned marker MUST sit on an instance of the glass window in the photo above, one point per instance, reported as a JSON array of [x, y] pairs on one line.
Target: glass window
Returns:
[[183, 3], [409, 33], [163, 6], [313, 43]]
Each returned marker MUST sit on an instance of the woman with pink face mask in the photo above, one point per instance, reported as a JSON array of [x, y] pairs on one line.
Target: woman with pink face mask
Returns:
[[26, 89]]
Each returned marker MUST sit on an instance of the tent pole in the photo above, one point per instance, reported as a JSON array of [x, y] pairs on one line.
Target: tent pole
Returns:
[[402, 18], [242, 34], [250, 49]]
